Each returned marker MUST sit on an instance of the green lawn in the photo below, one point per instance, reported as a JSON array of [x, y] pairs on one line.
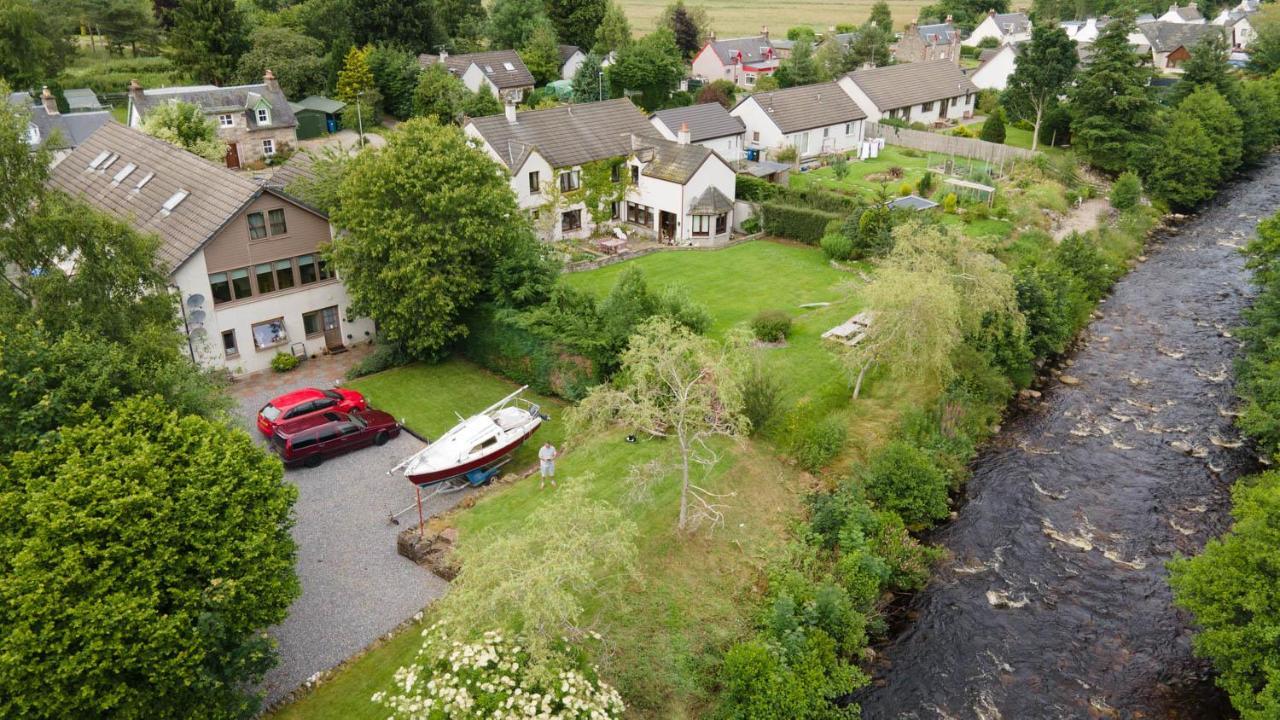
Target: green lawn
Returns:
[[429, 399], [863, 174]]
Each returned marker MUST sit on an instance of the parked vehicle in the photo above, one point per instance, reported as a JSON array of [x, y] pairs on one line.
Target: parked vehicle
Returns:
[[311, 439], [476, 442], [300, 403]]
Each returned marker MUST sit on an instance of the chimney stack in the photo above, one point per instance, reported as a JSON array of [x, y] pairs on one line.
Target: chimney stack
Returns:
[[683, 136], [950, 19], [991, 12], [50, 103], [269, 79], [511, 111]]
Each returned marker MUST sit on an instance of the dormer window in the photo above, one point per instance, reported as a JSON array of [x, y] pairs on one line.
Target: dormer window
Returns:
[[508, 66], [33, 135], [264, 116]]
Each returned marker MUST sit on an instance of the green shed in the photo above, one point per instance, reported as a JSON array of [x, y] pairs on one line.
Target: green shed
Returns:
[[317, 115]]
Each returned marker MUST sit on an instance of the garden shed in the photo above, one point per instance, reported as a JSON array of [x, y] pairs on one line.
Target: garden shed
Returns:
[[317, 115]]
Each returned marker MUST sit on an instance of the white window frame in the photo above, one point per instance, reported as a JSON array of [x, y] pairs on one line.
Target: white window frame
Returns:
[[268, 147], [225, 120], [264, 116]]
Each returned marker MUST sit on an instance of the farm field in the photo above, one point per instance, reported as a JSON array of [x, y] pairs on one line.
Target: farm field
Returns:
[[735, 18]]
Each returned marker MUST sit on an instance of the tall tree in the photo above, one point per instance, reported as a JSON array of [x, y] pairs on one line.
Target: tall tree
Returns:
[[395, 74], [1220, 123], [1259, 109], [1185, 172], [356, 76], [800, 68], [881, 16], [1208, 67], [677, 385], [576, 20], [32, 45], [410, 24], [1113, 111], [426, 220], [185, 125], [297, 60], [208, 38], [588, 83], [650, 65], [689, 25], [542, 54], [614, 32], [870, 46], [1045, 68], [461, 18], [1264, 51], [203, 516], [512, 22], [127, 22], [439, 95]]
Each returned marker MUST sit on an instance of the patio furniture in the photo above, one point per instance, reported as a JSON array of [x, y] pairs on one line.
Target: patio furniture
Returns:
[[613, 247]]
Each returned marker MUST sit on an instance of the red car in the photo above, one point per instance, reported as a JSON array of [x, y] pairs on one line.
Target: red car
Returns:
[[300, 403], [309, 440]]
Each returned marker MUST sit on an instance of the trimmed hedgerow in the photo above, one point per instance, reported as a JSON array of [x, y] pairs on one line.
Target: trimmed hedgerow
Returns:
[[798, 223]]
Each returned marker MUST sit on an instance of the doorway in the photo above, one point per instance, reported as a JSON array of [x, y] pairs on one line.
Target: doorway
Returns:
[[332, 329], [233, 156], [666, 226]]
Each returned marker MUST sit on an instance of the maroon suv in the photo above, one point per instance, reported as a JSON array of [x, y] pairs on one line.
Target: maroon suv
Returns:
[[309, 440]]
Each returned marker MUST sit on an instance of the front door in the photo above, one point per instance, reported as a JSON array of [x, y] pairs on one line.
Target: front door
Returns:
[[233, 156], [332, 328], [666, 225], [943, 107]]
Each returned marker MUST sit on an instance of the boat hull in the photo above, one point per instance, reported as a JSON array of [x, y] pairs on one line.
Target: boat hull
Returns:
[[437, 476]]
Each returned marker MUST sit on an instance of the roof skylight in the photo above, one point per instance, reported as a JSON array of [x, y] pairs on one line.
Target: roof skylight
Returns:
[[109, 162], [124, 173], [173, 201], [98, 160], [143, 182]]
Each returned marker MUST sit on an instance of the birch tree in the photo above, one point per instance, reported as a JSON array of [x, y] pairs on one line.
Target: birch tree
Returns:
[[674, 384], [1045, 69]]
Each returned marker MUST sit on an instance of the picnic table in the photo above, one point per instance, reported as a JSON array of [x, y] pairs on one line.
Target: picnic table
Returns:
[[613, 246]]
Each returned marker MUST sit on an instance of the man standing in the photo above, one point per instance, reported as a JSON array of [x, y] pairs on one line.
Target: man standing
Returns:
[[547, 457]]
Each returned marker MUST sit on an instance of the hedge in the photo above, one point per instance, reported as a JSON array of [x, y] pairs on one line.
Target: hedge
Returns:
[[825, 200], [798, 223], [496, 342], [755, 189]]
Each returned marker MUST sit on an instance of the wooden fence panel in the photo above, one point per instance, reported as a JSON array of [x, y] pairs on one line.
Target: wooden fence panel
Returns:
[[991, 153]]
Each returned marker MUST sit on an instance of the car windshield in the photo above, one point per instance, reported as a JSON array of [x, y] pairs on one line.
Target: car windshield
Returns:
[[270, 412], [333, 394], [358, 419]]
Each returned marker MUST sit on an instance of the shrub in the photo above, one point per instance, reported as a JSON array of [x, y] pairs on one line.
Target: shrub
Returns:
[[988, 102], [824, 200], [993, 127], [1044, 299], [675, 303], [1126, 192], [761, 396], [755, 189], [284, 362], [1024, 124], [1055, 126], [771, 325], [904, 479], [840, 166], [787, 154], [385, 356], [761, 683], [837, 246], [949, 203], [905, 189], [798, 223], [1079, 255], [819, 443], [751, 225], [561, 359], [963, 131]]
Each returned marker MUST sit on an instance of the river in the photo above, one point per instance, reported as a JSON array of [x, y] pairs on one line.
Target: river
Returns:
[[1054, 602]]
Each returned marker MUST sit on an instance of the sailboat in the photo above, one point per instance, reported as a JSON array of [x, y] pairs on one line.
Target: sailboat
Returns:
[[476, 442]]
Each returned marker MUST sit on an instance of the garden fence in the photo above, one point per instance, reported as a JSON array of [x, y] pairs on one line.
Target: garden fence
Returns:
[[993, 154]]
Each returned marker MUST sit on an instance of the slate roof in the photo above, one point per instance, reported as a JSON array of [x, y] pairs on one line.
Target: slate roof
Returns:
[[667, 160], [215, 196], [707, 121], [1187, 12], [842, 39], [1165, 37], [808, 106], [906, 84], [320, 103], [213, 100], [985, 56], [567, 135], [71, 129], [1012, 23], [79, 99], [755, 49], [940, 34], [567, 51], [503, 68], [711, 202]]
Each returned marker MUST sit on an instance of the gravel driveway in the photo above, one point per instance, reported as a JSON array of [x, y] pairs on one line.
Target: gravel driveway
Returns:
[[355, 587]]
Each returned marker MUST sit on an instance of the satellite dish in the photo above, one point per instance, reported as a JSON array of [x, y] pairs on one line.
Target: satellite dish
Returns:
[[195, 300], [197, 316], [199, 334]]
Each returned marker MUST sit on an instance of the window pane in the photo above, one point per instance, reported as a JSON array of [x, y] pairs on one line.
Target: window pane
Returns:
[[311, 323], [284, 274], [325, 273], [307, 269], [220, 287], [229, 343], [270, 333], [278, 226], [240, 283], [266, 281], [257, 226]]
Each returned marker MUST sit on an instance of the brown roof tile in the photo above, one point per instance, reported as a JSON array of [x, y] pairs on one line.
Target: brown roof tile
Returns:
[[906, 84], [808, 106]]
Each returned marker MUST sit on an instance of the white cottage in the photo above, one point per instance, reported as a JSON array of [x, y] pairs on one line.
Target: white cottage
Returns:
[[709, 124], [997, 65], [1004, 28], [925, 92], [814, 119]]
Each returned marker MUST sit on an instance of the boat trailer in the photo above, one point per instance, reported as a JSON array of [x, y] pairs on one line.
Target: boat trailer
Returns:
[[474, 478]]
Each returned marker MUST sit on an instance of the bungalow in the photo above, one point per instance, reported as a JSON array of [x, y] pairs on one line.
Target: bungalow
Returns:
[[1189, 14], [243, 258], [571, 57], [708, 124], [255, 120], [1005, 28], [923, 43], [1083, 31], [814, 119], [675, 191], [1171, 43], [997, 64], [1240, 31], [58, 132], [502, 72], [742, 61], [923, 92]]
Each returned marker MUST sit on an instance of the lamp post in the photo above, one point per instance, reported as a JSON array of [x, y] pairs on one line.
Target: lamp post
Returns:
[[599, 85], [360, 116]]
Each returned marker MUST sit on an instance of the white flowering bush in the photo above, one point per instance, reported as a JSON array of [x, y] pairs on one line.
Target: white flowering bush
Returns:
[[496, 678]]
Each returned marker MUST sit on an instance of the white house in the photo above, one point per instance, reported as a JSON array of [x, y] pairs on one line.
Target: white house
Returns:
[[997, 65], [814, 119], [1083, 31], [676, 191], [1171, 43], [742, 61], [1240, 31], [244, 258], [1189, 14], [571, 57], [925, 92], [501, 72], [57, 132], [709, 124], [1005, 28]]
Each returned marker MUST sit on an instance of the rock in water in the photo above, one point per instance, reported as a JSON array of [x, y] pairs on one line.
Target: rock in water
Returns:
[[1069, 379]]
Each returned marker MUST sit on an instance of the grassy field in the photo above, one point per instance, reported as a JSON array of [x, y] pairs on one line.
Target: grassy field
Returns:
[[735, 18]]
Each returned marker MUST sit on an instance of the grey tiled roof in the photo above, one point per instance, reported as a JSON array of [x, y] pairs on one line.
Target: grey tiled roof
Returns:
[[1165, 37], [711, 202], [567, 51], [70, 129], [808, 106], [567, 135], [216, 194], [1187, 12], [906, 84], [212, 100], [323, 104], [939, 34], [754, 49], [667, 160], [706, 121], [81, 99], [911, 202], [503, 68], [1011, 23]]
